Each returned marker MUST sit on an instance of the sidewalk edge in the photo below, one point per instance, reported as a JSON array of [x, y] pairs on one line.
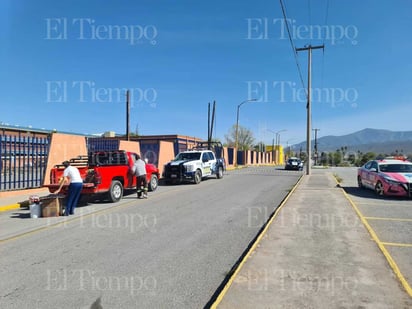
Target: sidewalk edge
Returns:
[[252, 248], [9, 207], [381, 246]]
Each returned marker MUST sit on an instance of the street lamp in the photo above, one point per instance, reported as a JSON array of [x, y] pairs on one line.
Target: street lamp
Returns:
[[273, 144], [237, 125], [276, 143], [278, 136], [289, 147]]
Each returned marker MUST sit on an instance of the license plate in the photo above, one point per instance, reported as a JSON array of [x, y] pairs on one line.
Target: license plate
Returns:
[[173, 176]]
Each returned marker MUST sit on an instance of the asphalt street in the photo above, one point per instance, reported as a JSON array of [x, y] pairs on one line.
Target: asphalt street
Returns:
[[170, 251]]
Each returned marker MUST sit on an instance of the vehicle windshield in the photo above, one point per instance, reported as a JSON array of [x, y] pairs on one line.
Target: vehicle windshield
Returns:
[[188, 156], [395, 168]]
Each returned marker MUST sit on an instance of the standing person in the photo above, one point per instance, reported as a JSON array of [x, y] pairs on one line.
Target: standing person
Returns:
[[72, 176], [139, 169]]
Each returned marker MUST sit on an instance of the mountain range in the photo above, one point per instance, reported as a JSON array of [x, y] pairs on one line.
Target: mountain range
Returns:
[[366, 140]]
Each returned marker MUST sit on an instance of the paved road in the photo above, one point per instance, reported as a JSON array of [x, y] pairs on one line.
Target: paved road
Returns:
[[170, 251], [389, 218]]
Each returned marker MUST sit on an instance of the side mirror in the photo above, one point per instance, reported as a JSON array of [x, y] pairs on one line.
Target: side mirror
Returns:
[[205, 160], [373, 169]]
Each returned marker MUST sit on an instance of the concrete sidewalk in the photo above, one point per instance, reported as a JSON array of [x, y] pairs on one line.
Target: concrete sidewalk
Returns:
[[13, 200], [315, 253]]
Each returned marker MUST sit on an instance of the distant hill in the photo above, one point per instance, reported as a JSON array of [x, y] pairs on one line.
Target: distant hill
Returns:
[[373, 140]]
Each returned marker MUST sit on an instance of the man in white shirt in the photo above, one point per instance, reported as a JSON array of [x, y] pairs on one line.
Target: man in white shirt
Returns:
[[72, 176], [139, 170]]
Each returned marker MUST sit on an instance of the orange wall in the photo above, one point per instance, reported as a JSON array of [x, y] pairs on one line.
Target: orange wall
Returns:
[[166, 154], [64, 147], [226, 156], [130, 146]]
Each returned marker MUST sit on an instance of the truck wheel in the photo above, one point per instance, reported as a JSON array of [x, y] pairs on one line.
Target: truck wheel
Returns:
[[116, 191], [219, 173], [198, 177], [153, 183]]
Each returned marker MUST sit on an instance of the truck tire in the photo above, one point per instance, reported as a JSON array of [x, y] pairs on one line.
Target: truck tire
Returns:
[[153, 183], [116, 191], [219, 173], [198, 177]]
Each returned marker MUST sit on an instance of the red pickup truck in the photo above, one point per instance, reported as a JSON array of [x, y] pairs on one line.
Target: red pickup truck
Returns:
[[105, 173]]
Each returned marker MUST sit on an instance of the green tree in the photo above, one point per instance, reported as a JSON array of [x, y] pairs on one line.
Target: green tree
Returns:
[[337, 157], [245, 138], [324, 158], [367, 157]]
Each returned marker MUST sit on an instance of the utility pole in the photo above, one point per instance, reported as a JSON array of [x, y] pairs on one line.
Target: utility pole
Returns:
[[127, 116], [316, 145], [308, 106], [237, 127]]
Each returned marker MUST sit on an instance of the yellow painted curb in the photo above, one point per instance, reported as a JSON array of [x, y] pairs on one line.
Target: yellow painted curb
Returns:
[[252, 248], [381, 246], [9, 207]]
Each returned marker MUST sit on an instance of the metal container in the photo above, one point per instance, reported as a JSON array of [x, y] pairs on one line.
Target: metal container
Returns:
[[35, 210]]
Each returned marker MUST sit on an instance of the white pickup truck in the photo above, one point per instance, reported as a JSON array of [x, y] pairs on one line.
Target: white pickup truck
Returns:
[[193, 165]]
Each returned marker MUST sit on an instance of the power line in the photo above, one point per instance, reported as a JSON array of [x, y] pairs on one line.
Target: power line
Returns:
[[292, 45]]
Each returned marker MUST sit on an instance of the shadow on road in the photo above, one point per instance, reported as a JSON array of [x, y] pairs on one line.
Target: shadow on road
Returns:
[[366, 193], [18, 215]]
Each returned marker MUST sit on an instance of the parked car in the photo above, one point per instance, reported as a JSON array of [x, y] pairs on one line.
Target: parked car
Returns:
[[294, 163], [387, 177]]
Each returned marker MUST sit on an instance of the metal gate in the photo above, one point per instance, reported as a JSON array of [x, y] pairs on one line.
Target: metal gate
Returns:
[[23, 161], [102, 144]]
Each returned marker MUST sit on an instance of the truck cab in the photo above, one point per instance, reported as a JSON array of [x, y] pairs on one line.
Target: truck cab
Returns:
[[193, 165]]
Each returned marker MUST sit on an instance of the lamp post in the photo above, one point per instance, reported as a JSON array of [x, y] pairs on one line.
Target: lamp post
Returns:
[[275, 138], [276, 143], [237, 125], [278, 136]]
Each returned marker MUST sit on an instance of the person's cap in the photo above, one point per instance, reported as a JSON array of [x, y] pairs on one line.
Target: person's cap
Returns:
[[66, 163]]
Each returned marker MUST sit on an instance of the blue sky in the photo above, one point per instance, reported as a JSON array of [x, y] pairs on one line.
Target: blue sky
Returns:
[[66, 65]]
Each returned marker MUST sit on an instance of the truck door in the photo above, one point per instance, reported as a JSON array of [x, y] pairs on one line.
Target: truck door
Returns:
[[206, 164], [131, 181]]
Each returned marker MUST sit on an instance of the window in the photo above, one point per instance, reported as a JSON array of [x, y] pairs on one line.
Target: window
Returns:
[[374, 165], [396, 168], [368, 165]]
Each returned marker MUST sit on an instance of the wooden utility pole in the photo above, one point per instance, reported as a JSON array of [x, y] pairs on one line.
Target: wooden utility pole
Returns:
[[308, 106], [127, 116]]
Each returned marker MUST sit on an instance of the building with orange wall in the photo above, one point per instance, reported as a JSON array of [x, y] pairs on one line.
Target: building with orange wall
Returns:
[[157, 149]]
